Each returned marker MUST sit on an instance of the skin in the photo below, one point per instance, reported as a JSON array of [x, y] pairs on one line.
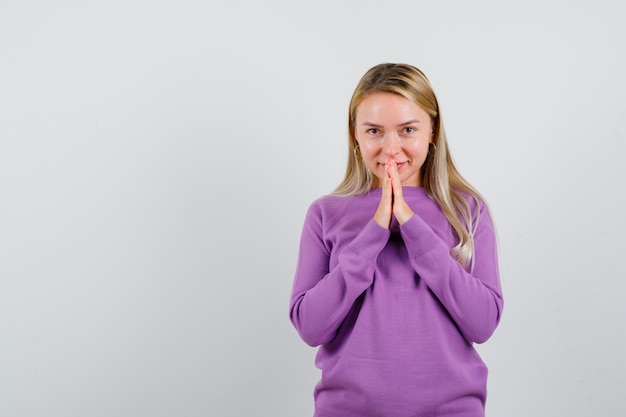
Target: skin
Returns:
[[393, 134]]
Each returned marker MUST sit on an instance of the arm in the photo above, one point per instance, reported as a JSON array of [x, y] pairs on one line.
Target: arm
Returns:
[[473, 300], [322, 297]]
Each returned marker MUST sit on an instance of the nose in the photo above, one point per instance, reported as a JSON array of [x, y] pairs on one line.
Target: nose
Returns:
[[391, 144]]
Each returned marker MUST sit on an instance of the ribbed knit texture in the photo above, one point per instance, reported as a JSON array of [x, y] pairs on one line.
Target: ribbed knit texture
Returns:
[[394, 314]]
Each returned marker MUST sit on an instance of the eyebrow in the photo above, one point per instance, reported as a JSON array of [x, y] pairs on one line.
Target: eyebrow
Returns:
[[410, 122]]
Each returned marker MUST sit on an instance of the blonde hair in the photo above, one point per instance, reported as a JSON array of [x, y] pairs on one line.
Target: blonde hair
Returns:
[[440, 178]]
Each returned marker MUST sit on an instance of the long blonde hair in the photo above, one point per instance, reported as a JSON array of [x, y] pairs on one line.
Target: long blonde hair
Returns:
[[440, 178]]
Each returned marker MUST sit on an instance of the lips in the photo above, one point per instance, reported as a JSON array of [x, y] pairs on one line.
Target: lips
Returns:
[[398, 164]]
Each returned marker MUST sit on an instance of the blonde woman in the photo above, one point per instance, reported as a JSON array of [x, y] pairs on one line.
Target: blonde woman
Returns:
[[397, 275]]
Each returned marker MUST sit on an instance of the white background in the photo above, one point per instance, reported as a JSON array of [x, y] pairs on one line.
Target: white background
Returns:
[[157, 159]]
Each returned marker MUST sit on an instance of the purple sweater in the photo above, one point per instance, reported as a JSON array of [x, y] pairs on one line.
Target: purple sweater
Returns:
[[394, 314]]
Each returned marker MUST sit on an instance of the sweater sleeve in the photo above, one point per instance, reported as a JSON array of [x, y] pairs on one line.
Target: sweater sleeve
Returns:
[[473, 300], [322, 296]]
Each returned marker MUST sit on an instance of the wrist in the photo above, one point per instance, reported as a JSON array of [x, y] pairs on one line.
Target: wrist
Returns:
[[404, 214]]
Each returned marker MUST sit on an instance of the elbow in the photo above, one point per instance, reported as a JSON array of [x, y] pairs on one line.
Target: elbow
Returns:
[[483, 335], [309, 336], [311, 339], [308, 332], [480, 334], [483, 331]]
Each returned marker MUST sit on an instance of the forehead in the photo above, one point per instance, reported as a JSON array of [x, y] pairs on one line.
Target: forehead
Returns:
[[389, 108]]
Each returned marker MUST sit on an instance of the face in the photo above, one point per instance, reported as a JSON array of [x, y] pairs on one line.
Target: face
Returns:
[[390, 127]]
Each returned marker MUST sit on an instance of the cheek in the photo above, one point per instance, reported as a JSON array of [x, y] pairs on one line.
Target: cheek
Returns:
[[369, 149], [420, 147], [371, 157]]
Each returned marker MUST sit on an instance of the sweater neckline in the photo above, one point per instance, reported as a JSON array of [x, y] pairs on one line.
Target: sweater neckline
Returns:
[[406, 191]]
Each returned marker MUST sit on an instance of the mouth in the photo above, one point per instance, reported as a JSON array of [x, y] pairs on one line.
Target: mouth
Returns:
[[398, 164]]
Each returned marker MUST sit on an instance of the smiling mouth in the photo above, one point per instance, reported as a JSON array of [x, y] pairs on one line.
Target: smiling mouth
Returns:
[[398, 164]]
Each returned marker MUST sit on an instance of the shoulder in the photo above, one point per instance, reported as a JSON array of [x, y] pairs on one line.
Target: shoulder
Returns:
[[323, 213], [330, 206], [479, 208], [330, 210], [475, 202]]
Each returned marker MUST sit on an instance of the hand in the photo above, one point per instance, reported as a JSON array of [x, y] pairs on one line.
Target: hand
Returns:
[[392, 201], [385, 207], [401, 209]]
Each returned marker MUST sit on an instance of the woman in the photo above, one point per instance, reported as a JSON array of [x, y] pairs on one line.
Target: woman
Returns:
[[397, 275]]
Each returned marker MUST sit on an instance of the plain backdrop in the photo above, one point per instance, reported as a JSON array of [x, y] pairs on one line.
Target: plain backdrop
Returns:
[[157, 159]]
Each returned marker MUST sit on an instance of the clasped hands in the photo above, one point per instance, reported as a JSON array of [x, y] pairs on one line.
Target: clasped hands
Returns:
[[392, 201]]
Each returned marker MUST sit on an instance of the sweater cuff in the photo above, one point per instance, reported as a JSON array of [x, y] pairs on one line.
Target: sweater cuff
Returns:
[[370, 241], [418, 236]]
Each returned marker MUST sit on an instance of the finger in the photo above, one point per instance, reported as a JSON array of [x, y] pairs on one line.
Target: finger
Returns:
[[393, 169], [387, 189], [401, 209], [390, 165], [395, 180]]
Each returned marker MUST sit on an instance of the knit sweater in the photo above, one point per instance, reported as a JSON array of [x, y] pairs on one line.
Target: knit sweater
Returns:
[[394, 314]]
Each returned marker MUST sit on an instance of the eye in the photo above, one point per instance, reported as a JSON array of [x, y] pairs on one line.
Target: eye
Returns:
[[374, 133], [409, 129]]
